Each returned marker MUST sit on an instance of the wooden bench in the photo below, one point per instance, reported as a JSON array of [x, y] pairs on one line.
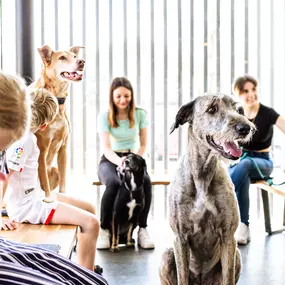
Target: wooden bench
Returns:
[[62, 235], [276, 190], [162, 179]]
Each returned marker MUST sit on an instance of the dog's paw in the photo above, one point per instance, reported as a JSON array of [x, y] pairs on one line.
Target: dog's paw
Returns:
[[114, 249]]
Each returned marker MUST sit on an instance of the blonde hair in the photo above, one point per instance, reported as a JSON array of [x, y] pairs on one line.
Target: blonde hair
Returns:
[[44, 107], [15, 111]]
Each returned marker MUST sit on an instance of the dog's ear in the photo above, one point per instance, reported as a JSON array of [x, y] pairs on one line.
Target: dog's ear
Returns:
[[76, 49], [183, 115], [45, 53]]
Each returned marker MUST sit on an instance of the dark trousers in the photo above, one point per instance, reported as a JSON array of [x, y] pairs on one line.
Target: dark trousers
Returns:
[[108, 176]]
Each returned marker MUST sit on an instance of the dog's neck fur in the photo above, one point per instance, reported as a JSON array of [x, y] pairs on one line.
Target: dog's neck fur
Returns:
[[48, 80], [201, 163], [137, 180]]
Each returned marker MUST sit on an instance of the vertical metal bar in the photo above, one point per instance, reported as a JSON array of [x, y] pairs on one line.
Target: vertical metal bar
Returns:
[[97, 78], [205, 45], [165, 105], [84, 95], [125, 40], [218, 71], [191, 49], [258, 40], [71, 88], [138, 54], [232, 40], [24, 36], [56, 23], [179, 72], [272, 58], [110, 40], [246, 36], [152, 85], [43, 22]]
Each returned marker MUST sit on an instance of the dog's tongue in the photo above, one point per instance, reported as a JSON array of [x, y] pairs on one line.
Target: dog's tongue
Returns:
[[232, 148], [72, 75]]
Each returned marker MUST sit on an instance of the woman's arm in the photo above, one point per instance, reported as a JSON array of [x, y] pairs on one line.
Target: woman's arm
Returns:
[[280, 124], [108, 152], [143, 141]]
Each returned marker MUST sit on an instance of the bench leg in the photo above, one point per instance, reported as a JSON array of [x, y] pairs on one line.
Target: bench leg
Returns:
[[265, 200]]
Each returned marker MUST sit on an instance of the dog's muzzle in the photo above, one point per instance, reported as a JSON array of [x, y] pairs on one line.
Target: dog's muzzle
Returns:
[[231, 149]]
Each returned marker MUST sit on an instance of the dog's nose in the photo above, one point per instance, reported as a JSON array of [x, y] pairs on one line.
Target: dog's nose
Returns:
[[81, 61], [242, 129]]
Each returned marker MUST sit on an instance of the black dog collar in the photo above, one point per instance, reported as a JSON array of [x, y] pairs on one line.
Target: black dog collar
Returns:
[[61, 100]]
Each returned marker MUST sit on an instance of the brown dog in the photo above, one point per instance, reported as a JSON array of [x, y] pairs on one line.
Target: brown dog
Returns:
[[59, 69]]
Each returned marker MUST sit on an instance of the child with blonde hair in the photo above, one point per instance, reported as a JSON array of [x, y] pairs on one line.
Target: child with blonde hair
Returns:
[[15, 112], [27, 201], [23, 262]]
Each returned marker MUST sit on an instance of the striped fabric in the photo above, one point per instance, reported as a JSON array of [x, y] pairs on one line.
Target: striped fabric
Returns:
[[26, 264]]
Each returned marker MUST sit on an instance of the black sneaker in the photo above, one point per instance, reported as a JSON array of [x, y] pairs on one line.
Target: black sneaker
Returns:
[[98, 269]]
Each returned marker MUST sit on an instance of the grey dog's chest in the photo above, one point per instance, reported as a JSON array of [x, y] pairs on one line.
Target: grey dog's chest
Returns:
[[204, 213]]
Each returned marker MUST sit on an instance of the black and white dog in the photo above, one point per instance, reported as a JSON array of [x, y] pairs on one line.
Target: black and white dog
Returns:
[[129, 201]]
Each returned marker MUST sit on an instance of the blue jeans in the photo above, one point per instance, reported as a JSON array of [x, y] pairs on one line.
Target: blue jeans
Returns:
[[242, 174]]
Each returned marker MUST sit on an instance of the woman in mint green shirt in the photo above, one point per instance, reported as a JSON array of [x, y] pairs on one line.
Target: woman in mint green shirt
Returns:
[[123, 129]]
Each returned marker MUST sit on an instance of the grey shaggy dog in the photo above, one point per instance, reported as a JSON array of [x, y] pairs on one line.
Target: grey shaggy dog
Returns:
[[204, 213]]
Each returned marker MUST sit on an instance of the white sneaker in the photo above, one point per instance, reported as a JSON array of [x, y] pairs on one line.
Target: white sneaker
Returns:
[[242, 234], [144, 239], [103, 241]]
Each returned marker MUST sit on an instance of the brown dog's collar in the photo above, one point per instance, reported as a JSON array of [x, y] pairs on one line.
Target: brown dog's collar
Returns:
[[61, 101]]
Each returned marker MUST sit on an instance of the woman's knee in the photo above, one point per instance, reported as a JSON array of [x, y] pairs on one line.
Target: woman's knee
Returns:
[[241, 169], [92, 225]]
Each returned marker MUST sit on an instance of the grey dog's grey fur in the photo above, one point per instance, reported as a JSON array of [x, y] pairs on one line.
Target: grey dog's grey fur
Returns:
[[204, 213]]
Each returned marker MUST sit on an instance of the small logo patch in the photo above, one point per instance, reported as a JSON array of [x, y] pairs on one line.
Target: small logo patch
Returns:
[[29, 190], [19, 151]]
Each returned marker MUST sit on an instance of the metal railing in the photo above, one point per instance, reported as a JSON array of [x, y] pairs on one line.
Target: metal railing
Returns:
[[172, 51]]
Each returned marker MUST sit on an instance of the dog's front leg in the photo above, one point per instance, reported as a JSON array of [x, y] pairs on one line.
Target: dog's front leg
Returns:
[[43, 173], [61, 161], [228, 260], [115, 234], [181, 253], [130, 243]]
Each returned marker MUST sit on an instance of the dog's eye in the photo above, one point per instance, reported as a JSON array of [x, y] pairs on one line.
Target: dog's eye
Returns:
[[213, 109], [62, 57], [75, 56], [240, 110]]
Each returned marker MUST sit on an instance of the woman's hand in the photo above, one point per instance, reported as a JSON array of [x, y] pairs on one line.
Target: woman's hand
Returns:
[[123, 158], [8, 225]]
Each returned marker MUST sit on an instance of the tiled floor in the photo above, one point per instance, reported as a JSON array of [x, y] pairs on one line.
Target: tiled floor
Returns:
[[263, 258]]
